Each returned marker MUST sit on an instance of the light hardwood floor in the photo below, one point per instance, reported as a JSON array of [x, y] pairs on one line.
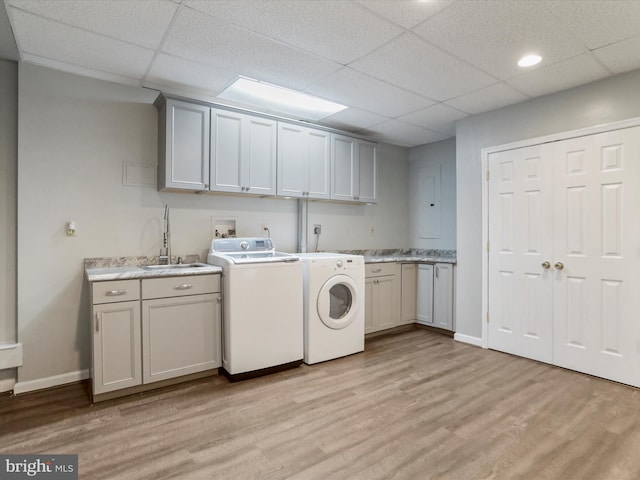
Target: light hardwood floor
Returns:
[[415, 405]]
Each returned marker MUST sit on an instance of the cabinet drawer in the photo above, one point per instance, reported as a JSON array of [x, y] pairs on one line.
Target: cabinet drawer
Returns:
[[380, 269], [179, 286], [115, 291]]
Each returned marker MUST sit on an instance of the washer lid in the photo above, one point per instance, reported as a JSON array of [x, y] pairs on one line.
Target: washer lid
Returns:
[[337, 302]]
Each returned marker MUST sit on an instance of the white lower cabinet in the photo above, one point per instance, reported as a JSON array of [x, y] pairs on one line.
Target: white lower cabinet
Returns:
[[180, 326], [425, 294], [400, 294], [116, 357], [165, 328], [382, 296], [443, 296], [116, 346], [435, 295], [409, 292]]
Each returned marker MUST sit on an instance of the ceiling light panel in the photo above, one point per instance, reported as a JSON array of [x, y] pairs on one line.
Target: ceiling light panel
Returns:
[[273, 98]]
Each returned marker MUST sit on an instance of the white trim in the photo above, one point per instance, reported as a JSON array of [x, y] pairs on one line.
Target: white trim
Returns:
[[48, 382], [485, 152], [10, 355], [7, 385], [478, 342]]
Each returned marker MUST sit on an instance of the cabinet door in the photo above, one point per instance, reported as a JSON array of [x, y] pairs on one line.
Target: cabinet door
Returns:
[[183, 146], [343, 167], [425, 294], [180, 336], [386, 293], [293, 160], [226, 151], [367, 172], [409, 292], [259, 156], [443, 296], [370, 308], [117, 360], [319, 164]]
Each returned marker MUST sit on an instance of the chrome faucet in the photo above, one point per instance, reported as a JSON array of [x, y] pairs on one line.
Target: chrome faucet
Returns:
[[165, 251]]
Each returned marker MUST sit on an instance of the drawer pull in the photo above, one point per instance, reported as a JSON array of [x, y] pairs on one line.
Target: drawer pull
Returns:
[[184, 286], [115, 293], [377, 270]]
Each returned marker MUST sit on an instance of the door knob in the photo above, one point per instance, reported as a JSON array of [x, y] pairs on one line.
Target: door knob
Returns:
[[558, 265], [546, 265]]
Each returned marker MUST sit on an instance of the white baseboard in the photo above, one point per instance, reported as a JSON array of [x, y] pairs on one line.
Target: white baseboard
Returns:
[[10, 355], [48, 382], [477, 341], [7, 385]]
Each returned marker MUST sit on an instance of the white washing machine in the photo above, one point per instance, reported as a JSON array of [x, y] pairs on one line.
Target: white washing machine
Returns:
[[333, 305]]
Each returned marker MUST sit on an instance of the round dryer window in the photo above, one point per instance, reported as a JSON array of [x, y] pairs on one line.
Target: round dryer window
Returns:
[[337, 302]]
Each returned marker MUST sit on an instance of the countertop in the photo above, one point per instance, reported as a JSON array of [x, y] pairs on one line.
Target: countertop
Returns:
[[127, 268], [406, 255], [409, 259]]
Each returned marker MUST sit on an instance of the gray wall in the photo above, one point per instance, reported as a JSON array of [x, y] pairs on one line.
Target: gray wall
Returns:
[[8, 208], [597, 103], [441, 153], [75, 135]]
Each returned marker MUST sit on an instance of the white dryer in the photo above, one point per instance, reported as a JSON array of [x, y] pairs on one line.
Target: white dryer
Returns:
[[333, 305]]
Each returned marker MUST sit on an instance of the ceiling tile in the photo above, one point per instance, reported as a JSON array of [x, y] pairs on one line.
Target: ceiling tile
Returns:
[[352, 119], [400, 133], [356, 89], [177, 72], [439, 118], [570, 73], [142, 22], [62, 43], [421, 68], [490, 98], [407, 13], [598, 23], [339, 30], [494, 34], [622, 56], [208, 40]]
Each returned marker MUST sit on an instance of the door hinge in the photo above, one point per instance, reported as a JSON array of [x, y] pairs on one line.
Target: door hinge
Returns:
[[488, 317], [488, 246], [488, 175]]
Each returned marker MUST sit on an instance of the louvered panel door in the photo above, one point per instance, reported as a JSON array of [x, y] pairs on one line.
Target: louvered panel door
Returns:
[[520, 298], [595, 225]]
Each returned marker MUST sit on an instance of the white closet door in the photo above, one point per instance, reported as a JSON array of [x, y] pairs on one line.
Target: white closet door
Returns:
[[595, 231], [520, 213]]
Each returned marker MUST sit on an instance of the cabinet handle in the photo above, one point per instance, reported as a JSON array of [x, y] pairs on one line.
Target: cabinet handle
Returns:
[[97, 322], [115, 293], [218, 300], [546, 265], [377, 270], [184, 286], [558, 265]]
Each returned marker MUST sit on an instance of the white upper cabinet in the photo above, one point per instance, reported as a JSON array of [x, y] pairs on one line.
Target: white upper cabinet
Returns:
[[243, 153], [354, 169], [183, 146], [303, 162]]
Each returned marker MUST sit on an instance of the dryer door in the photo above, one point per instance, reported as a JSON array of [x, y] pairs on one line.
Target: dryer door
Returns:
[[338, 302]]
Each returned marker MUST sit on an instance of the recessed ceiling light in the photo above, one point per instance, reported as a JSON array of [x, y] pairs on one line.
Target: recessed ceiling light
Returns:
[[529, 60], [279, 99]]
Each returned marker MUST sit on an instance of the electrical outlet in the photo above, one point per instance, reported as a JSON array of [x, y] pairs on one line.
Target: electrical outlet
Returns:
[[317, 229], [265, 226]]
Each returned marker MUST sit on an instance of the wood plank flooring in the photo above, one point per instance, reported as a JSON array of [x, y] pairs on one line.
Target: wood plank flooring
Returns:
[[414, 405]]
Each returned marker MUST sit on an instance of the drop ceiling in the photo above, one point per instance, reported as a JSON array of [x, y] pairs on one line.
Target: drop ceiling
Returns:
[[407, 69]]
